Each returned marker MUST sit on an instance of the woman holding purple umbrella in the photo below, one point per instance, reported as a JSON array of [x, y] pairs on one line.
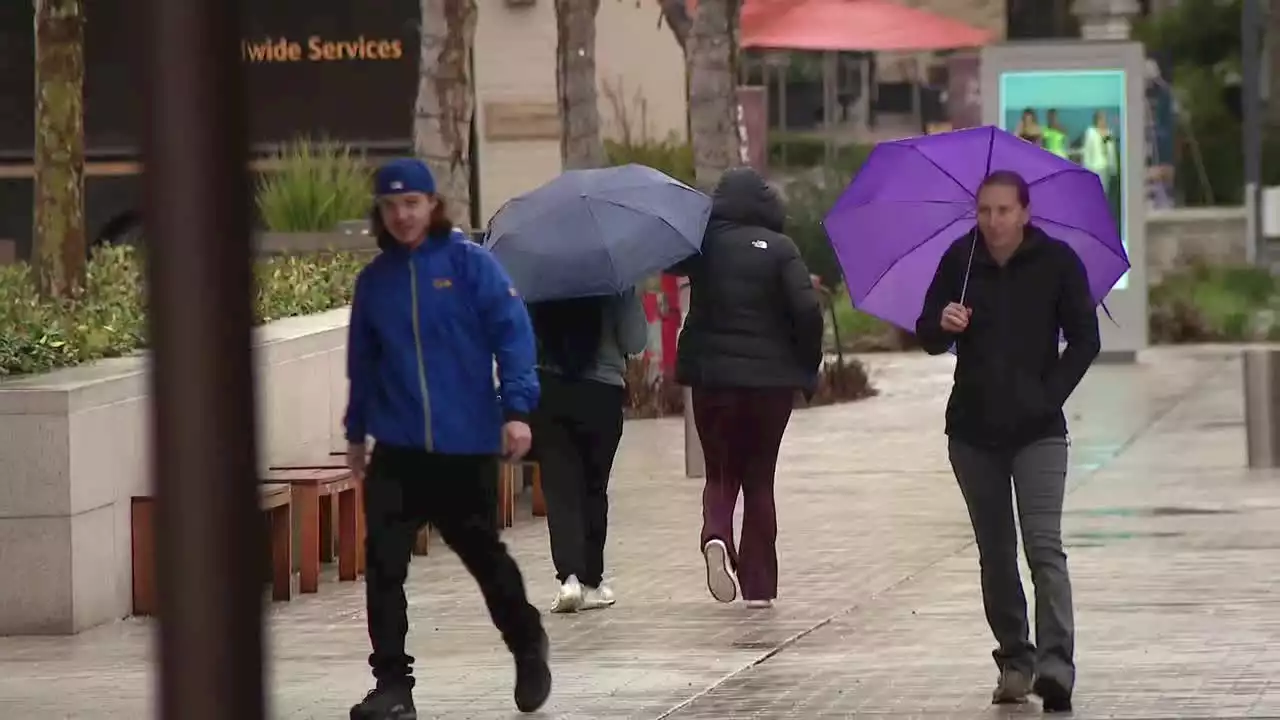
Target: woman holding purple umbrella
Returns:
[[1001, 296]]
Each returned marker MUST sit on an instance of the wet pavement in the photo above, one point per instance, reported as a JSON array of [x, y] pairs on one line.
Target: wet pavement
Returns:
[[1172, 544]]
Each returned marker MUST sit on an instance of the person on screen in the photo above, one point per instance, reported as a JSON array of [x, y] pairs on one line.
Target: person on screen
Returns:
[[1099, 153], [1055, 138], [1000, 296], [1029, 127]]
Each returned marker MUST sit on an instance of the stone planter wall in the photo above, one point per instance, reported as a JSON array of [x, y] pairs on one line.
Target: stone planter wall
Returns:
[[74, 449]]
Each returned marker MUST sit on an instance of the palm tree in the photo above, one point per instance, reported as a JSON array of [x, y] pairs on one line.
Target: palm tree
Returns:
[[446, 99], [59, 152], [580, 143]]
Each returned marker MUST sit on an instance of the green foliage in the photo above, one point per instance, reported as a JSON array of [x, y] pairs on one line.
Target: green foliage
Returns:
[[1215, 304], [809, 199], [108, 319], [671, 156], [318, 185], [1203, 38], [860, 332], [801, 150]]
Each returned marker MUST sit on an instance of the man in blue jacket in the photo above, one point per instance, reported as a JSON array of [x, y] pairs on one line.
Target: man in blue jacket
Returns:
[[430, 315]]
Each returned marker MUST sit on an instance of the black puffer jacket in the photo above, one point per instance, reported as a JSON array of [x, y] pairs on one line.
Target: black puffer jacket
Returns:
[[754, 316]]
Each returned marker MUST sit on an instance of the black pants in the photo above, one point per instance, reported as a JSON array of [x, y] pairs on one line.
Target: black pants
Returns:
[[577, 428], [407, 488]]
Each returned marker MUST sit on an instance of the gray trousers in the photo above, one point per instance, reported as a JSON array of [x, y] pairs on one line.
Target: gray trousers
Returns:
[[1038, 472]]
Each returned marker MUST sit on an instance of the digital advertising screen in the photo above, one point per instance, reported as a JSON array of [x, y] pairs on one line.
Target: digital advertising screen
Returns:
[[1079, 115]]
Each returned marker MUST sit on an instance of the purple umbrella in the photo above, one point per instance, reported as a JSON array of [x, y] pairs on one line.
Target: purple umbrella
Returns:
[[913, 198]]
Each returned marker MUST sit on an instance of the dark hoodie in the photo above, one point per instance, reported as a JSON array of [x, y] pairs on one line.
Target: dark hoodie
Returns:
[[754, 316], [1010, 380]]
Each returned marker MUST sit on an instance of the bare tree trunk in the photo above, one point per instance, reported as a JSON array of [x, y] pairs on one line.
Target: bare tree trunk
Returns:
[[580, 144], [1273, 66], [713, 90], [446, 100], [59, 154]]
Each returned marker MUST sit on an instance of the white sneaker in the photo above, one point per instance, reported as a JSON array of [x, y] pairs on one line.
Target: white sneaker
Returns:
[[720, 579], [569, 599], [759, 604], [597, 597]]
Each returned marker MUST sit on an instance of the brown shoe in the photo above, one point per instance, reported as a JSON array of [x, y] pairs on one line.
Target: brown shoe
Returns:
[[1012, 688]]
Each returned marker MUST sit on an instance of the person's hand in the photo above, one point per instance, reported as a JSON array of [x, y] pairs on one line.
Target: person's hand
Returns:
[[955, 318], [356, 458], [517, 438]]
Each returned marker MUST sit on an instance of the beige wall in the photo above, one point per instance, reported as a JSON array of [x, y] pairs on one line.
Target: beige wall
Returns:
[[515, 62]]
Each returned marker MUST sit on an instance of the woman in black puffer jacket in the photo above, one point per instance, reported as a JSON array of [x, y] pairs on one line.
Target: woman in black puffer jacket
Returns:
[[753, 337]]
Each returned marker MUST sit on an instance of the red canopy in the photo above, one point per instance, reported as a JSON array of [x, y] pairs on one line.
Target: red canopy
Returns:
[[852, 25]]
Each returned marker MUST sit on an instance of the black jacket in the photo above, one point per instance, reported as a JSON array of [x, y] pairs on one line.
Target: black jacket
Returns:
[[755, 319], [1010, 381]]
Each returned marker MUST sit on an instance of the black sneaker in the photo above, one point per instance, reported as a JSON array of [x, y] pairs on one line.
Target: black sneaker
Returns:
[[387, 703], [533, 676], [1055, 697]]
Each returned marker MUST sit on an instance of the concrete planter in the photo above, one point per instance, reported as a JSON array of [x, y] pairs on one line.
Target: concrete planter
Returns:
[[75, 449]]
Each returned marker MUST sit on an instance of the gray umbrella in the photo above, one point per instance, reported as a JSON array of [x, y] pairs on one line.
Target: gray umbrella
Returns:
[[597, 232]]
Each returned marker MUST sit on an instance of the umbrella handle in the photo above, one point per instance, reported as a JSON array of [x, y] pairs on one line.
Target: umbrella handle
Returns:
[[973, 247]]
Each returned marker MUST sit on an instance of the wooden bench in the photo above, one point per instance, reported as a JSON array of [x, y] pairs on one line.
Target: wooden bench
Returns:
[[315, 493], [276, 502], [507, 489], [508, 473], [421, 545]]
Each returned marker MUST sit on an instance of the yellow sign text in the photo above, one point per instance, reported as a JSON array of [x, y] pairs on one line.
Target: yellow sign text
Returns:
[[318, 49]]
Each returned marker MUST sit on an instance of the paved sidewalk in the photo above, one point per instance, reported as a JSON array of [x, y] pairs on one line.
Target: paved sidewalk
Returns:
[[1173, 552]]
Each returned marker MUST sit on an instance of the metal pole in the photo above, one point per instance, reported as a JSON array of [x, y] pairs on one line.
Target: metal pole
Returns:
[[1251, 108], [211, 541]]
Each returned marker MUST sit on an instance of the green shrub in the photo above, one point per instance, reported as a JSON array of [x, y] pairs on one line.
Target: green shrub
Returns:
[[108, 319], [857, 331], [799, 150], [318, 185], [671, 156], [1214, 304]]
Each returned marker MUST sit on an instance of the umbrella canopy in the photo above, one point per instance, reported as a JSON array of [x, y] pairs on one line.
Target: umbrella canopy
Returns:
[[854, 26], [597, 232], [913, 198]]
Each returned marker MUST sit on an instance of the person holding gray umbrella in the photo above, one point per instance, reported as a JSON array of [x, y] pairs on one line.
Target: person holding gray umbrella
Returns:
[[575, 249], [583, 345]]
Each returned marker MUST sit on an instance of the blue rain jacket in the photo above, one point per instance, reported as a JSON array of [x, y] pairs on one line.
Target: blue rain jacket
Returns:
[[426, 326]]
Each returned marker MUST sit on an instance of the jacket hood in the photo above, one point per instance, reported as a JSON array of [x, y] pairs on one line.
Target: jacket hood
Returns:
[[744, 198]]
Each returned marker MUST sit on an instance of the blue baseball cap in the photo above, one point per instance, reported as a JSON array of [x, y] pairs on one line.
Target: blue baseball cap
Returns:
[[404, 175]]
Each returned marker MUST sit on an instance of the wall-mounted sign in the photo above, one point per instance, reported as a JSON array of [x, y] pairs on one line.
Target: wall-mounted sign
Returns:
[[514, 121], [317, 48]]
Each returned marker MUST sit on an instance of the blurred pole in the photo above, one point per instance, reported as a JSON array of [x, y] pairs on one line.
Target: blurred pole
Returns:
[[211, 540], [695, 465], [1251, 109]]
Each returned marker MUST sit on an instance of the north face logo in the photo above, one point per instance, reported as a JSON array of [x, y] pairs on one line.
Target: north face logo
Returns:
[[759, 244]]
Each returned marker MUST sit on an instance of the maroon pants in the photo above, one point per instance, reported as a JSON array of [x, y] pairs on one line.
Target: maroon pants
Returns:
[[741, 430]]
